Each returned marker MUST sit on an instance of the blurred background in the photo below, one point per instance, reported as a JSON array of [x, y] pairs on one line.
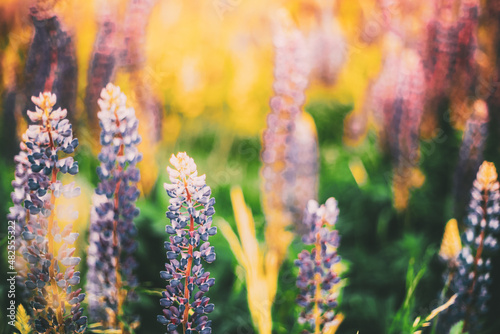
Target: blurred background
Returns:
[[404, 97]]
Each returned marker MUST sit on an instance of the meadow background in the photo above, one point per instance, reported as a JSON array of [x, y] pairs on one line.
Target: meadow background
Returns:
[[200, 82]]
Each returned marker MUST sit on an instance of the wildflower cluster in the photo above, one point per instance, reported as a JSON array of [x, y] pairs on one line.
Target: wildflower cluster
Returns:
[[279, 153], [480, 240], [112, 231], [190, 213], [52, 271], [316, 277]]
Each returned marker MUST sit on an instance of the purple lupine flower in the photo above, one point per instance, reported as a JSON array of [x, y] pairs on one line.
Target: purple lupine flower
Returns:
[[398, 101], [449, 55], [51, 63], [17, 213], [104, 59], [112, 231], [279, 145], [467, 31], [440, 53], [190, 213], [52, 275], [480, 241], [305, 153], [471, 154], [119, 46], [397, 98], [317, 278], [133, 60], [327, 46]]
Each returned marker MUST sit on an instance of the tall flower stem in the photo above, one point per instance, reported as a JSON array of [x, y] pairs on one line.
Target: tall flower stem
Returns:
[[317, 278], [472, 277], [183, 299], [51, 289], [116, 242], [317, 286], [190, 262], [111, 279], [53, 283]]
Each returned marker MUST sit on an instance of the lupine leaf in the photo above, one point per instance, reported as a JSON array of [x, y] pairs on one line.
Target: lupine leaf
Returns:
[[457, 328]]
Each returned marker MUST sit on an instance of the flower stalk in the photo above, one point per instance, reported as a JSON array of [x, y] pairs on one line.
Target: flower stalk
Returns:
[[46, 248], [317, 278], [480, 240], [288, 133], [190, 213], [111, 280]]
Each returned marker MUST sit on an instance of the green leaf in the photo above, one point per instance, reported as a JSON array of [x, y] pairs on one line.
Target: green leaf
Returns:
[[457, 328]]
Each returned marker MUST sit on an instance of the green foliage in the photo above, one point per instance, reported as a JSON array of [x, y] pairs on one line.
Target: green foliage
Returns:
[[403, 322], [457, 328]]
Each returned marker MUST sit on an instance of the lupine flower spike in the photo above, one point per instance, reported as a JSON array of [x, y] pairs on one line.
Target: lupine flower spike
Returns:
[[133, 61], [404, 128], [51, 64], [119, 49], [450, 62], [328, 46], [451, 244], [18, 212], [281, 143], [305, 153], [449, 251], [291, 78], [190, 213], [471, 154], [112, 232], [480, 240], [397, 100], [104, 59], [52, 276], [441, 50], [317, 278], [465, 77]]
